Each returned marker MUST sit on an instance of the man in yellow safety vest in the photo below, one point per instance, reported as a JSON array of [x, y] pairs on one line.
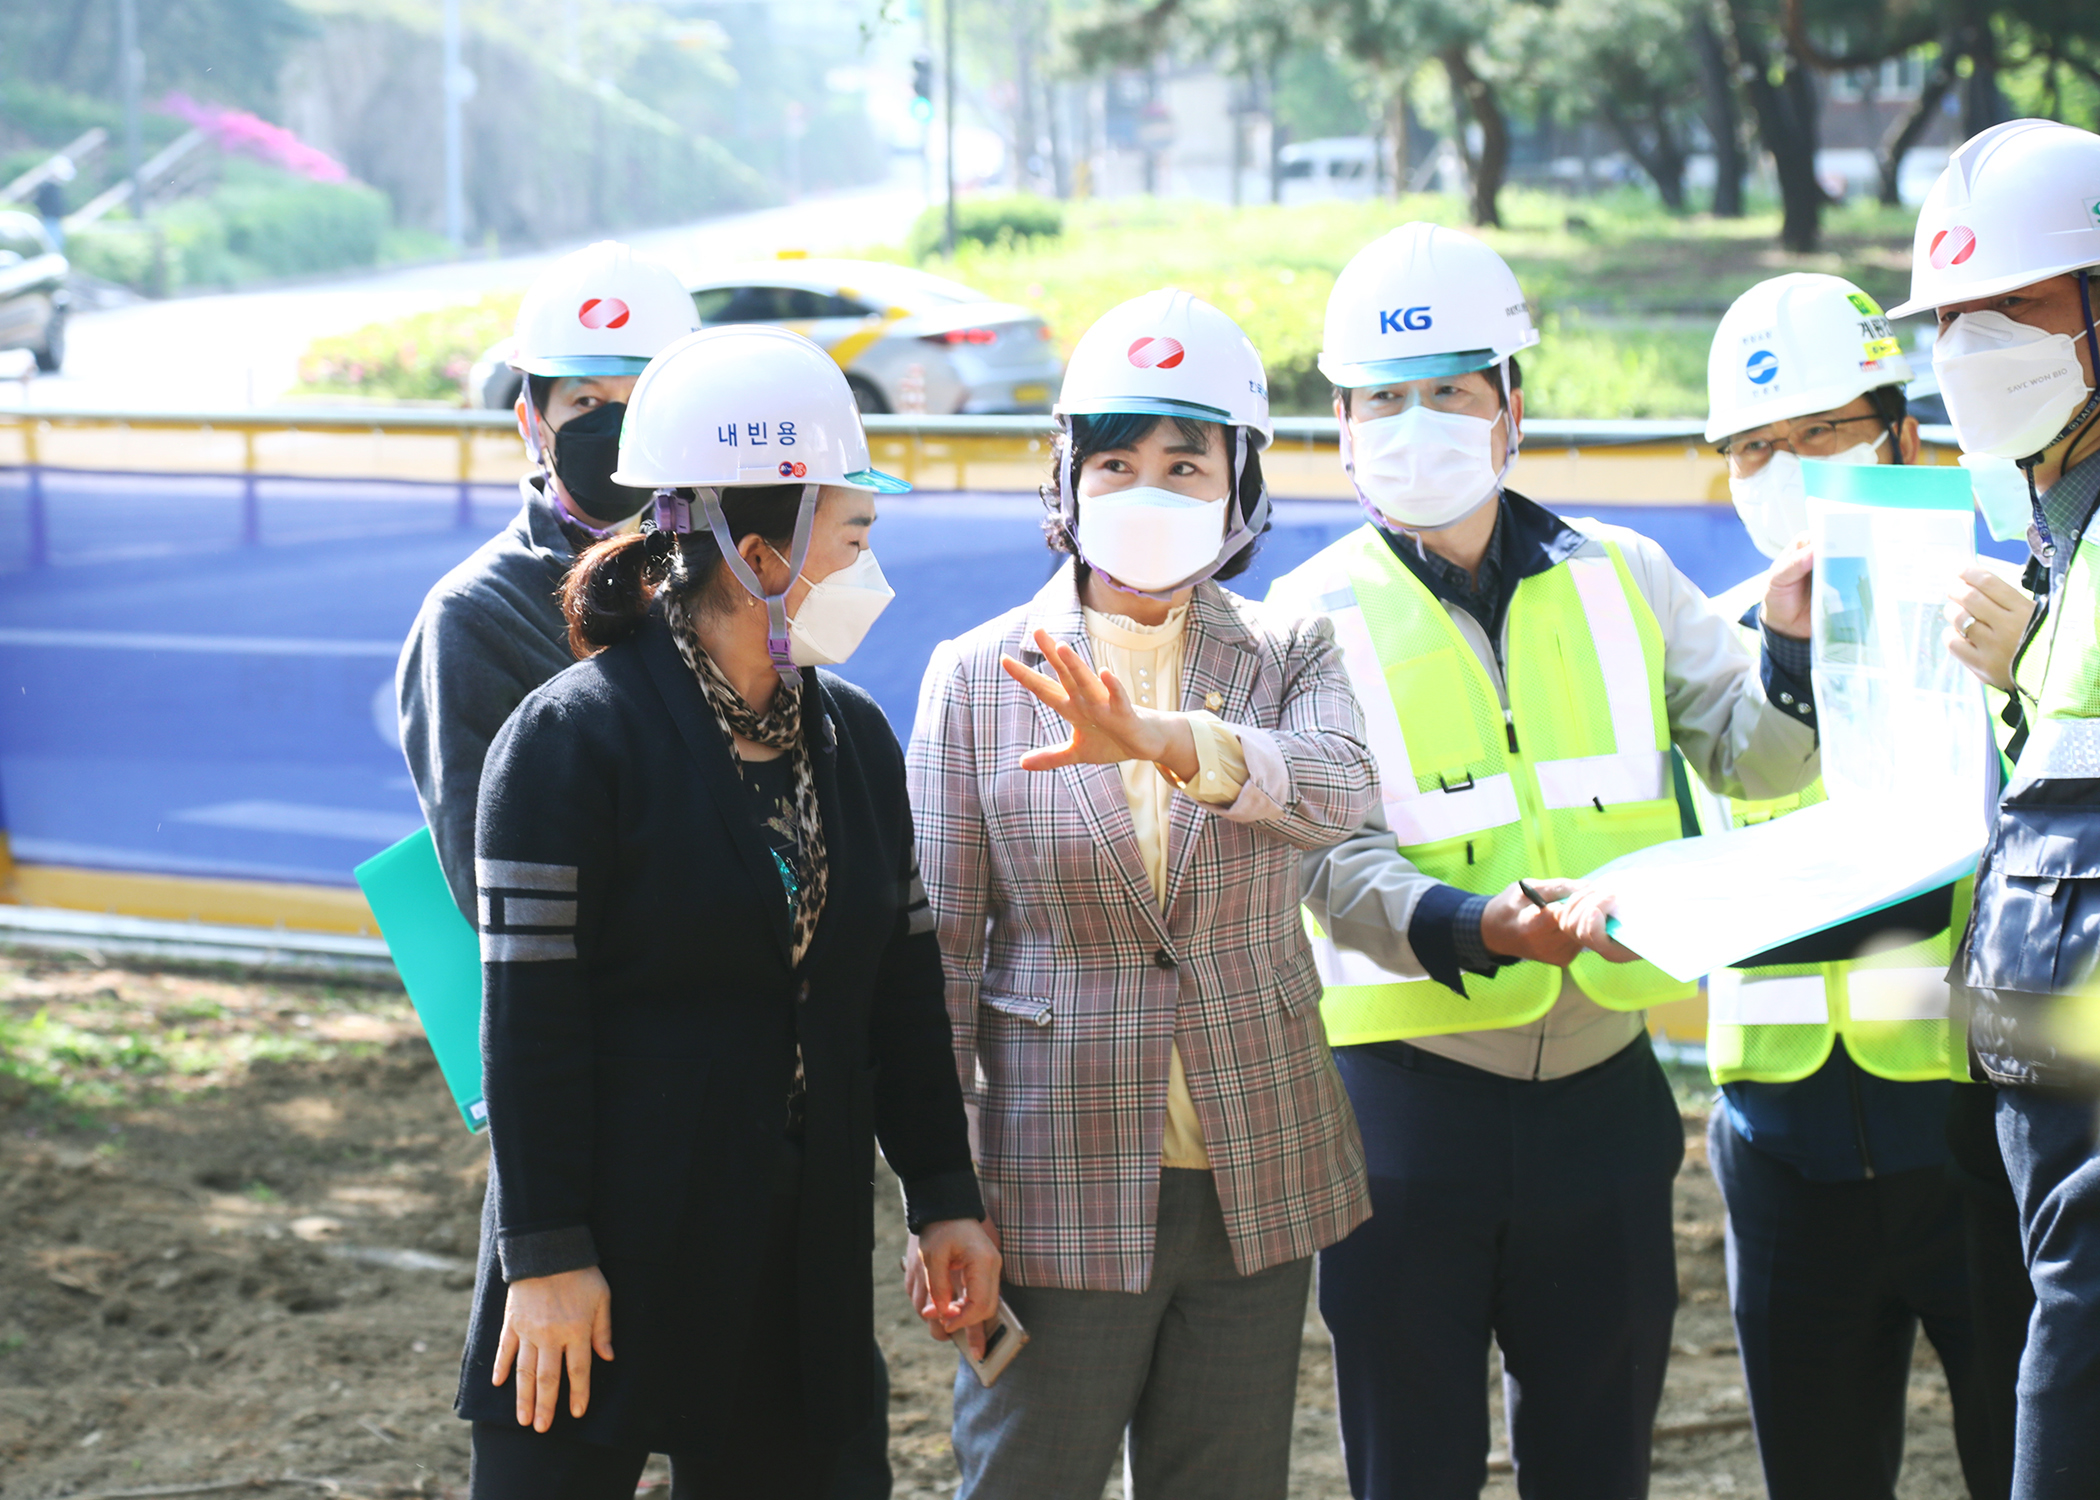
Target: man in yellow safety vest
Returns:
[[1523, 680], [1835, 1054]]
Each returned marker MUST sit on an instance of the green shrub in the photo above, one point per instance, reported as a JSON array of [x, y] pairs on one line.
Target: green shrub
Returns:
[[1005, 220], [419, 358], [258, 224], [283, 225]]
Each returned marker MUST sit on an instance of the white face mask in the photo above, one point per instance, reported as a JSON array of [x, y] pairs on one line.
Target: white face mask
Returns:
[[1426, 469], [2009, 387], [1150, 539], [835, 614], [1773, 502]]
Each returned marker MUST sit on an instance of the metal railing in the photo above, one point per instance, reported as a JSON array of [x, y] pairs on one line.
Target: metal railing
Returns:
[[1630, 462]]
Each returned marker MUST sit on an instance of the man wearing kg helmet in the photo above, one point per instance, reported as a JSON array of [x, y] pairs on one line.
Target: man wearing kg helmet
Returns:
[[1831, 1141], [491, 630], [1523, 679], [2007, 244]]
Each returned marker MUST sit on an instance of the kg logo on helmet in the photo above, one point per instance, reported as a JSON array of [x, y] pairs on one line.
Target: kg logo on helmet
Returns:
[[1762, 367], [602, 312], [1950, 247], [1404, 320], [1160, 353], [793, 471]]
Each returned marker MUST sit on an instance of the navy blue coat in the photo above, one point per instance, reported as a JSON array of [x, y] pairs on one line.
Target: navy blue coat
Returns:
[[638, 1006]]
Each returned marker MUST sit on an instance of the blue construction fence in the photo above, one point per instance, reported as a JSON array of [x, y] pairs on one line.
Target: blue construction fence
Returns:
[[196, 672]]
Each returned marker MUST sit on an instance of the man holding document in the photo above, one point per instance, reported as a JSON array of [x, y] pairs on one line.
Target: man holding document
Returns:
[[1835, 1054], [1523, 679], [2007, 244]]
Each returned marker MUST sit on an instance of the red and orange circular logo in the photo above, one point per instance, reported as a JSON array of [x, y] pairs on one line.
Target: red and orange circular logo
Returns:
[[1951, 247], [1160, 353], [602, 312]]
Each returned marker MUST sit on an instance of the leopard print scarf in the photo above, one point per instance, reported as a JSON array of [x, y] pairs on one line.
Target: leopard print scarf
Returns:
[[780, 726]]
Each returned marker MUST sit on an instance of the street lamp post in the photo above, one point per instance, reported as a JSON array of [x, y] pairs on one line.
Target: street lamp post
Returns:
[[948, 119], [455, 174]]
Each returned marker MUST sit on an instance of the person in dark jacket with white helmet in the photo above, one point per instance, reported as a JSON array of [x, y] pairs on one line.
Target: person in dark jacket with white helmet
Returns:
[[710, 975]]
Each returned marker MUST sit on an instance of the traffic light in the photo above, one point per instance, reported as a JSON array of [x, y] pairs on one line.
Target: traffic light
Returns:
[[922, 87]]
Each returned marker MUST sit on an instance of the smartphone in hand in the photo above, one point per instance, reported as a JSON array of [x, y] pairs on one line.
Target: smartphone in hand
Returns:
[[1003, 1338]]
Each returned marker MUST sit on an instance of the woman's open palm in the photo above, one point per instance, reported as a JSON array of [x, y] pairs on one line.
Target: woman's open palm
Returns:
[[1106, 726]]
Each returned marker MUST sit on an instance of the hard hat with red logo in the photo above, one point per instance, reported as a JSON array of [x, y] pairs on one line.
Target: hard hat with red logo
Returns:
[[2017, 204], [601, 311], [1173, 355]]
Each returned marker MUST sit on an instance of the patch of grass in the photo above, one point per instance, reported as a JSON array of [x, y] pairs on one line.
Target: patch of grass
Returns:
[[1626, 294]]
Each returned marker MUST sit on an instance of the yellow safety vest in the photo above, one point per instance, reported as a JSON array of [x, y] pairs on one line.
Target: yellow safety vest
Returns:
[[1573, 774], [2063, 737], [1777, 1024]]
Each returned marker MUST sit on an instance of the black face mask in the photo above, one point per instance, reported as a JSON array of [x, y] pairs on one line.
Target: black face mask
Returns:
[[586, 451]]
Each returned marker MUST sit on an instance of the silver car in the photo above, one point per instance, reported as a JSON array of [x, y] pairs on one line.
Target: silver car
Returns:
[[908, 341]]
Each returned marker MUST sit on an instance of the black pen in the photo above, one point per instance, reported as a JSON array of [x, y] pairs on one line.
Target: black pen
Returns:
[[1536, 899]]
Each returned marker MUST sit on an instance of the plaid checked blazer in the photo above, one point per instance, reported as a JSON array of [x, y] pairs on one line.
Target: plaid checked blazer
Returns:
[[1066, 984]]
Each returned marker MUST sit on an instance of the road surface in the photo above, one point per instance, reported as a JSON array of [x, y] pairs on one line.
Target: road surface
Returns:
[[242, 349]]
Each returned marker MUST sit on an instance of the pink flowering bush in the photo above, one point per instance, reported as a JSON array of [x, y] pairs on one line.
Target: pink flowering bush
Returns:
[[238, 133]]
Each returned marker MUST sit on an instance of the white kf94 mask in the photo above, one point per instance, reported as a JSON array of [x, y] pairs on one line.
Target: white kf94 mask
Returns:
[[1150, 539], [1773, 502], [1426, 469], [2009, 386], [836, 612]]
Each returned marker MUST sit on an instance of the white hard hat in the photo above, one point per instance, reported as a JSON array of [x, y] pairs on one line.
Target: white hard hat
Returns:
[[745, 403], [1173, 355], [2017, 204], [1422, 301], [1797, 344], [602, 311]]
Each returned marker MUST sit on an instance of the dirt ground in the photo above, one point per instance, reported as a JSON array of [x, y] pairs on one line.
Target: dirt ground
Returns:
[[237, 1219]]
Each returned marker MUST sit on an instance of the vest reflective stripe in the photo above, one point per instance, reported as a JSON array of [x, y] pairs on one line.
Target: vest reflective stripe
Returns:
[[1778, 1024], [1737, 998], [2061, 749], [1619, 656], [1396, 781], [1468, 809], [1429, 817], [1898, 994], [1632, 776]]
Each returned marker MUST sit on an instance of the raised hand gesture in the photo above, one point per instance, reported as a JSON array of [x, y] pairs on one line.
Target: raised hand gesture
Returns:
[[1107, 727]]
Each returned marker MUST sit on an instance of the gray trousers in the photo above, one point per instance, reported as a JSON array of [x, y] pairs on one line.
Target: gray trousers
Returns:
[[1200, 1370]]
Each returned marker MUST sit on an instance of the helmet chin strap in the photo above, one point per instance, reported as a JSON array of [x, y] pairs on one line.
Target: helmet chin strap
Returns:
[[2028, 464], [776, 604]]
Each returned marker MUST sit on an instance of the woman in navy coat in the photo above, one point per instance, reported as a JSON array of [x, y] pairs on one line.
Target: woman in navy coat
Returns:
[[710, 985]]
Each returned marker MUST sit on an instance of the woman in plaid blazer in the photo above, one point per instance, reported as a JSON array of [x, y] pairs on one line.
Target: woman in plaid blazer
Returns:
[[1112, 785]]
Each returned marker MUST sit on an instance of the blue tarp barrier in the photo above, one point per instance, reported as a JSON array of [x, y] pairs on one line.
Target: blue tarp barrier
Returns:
[[178, 698]]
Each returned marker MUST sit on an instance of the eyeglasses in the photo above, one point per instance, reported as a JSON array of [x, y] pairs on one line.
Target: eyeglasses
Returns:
[[1821, 438]]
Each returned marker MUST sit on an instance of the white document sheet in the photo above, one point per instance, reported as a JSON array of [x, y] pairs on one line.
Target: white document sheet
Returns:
[[1697, 905]]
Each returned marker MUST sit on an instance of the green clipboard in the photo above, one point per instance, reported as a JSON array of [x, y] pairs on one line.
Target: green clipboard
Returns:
[[438, 955]]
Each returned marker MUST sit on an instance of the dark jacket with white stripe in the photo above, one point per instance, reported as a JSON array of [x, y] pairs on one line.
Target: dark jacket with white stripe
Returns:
[[637, 1041]]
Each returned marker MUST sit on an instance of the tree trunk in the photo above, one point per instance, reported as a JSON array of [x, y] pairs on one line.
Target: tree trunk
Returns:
[[1279, 137], [1904, 133], [1723, 118], [1786, 123], [1981, 104], [1060, 169], [1480, 104], [1396, 137], [1662, 158]]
